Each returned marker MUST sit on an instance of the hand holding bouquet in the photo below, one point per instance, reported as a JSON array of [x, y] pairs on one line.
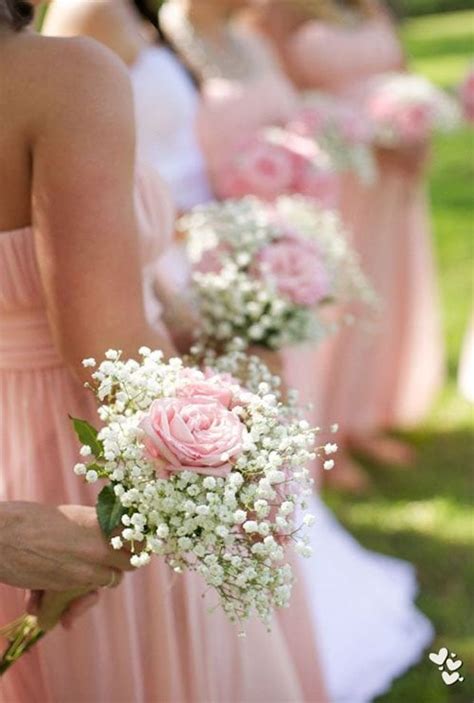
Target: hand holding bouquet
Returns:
[[406, 109], [264, 274], [275, 162]]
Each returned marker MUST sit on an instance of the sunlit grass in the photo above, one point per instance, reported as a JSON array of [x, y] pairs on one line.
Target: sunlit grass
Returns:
[[418, 516], [425, 513]]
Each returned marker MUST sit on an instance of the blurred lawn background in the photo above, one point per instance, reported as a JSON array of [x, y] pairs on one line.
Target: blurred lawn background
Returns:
[[425, 513]]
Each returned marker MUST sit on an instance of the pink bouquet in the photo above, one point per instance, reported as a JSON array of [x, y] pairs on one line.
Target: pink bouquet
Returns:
[[466, 94], [205, 468], [264, 274], [341, 130], [276, 162], [407, 109]]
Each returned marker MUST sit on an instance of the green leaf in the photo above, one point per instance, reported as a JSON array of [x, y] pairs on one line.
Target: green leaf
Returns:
[[87, 435], [109, 510]]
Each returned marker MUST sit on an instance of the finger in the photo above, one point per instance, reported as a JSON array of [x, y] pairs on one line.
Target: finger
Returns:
[[78, 608]]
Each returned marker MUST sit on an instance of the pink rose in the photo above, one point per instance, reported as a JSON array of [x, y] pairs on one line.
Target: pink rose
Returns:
[[414, 122], [410, 122], [467, 96], [294, 266], [259, 168], [196, 434], [211, 388]]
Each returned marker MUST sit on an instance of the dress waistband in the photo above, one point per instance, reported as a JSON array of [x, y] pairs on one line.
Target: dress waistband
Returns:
[[26, 341]]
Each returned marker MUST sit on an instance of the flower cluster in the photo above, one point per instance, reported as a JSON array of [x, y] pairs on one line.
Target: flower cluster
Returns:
[[341, 130], [203, 470], [406, 109], [264, 274], [466, 95], [274, 162]]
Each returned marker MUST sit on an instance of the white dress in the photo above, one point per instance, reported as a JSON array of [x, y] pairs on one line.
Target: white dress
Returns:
[[369, 630], [166, 103], [367, 627]]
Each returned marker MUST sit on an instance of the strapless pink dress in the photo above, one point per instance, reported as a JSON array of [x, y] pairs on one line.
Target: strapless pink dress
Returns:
[[387, 377], [151, 640]]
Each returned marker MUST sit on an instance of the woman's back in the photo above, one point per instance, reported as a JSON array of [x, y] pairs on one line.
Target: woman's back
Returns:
[[19, 100]]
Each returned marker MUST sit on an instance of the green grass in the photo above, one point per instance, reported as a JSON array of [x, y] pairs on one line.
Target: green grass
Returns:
[[425, 514]]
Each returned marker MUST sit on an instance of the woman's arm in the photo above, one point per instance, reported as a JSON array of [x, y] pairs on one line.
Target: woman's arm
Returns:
[[83, 206]]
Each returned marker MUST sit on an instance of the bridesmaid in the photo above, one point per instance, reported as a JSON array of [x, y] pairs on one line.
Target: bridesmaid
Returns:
[[361, 602], [242, 84], [166, 98], [387, 379], [64, 255]]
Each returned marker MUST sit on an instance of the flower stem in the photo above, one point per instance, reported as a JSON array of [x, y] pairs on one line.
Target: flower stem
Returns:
[[22, 634]]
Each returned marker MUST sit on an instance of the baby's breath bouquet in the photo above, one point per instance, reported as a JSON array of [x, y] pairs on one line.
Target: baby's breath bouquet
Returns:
[[266, 274], [199, 468], [341, 130], [207, 471], [405, 109]]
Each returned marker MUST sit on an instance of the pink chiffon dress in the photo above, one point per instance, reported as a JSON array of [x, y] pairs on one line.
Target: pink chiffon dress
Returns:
[[386, 377], [152, 639], [361, 603]]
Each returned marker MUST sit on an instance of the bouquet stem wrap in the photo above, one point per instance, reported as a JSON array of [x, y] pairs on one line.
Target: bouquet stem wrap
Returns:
[[24, 633]]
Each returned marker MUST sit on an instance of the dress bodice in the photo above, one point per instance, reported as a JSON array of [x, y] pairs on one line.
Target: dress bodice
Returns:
[[166, 103], [336, 58], [235, 107]]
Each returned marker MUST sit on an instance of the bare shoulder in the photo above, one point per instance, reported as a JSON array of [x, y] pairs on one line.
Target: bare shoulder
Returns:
[[79, 61], [62, 80]]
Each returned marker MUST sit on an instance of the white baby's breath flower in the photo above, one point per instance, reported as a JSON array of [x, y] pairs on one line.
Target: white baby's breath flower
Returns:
[[89, 362], [91, 476], [162, 531], [85, 450], [80, 469], [287, 507], [116, 542], [328, 465]]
